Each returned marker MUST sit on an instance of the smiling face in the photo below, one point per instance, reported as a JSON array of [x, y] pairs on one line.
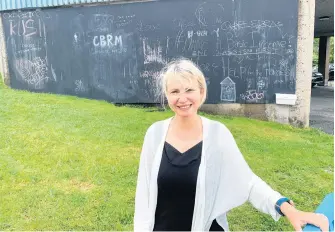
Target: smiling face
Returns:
[[184, 96], [184, 86]]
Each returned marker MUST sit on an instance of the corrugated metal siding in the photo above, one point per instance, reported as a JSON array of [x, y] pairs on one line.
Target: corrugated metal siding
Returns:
[[22, 4]]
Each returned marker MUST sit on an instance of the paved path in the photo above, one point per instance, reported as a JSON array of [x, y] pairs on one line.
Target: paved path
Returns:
[[322, 109]]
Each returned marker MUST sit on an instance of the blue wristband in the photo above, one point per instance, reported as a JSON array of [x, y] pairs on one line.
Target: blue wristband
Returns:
[[279, 203]]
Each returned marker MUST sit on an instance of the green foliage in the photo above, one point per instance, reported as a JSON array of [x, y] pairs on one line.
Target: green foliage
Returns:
[[316, 51]]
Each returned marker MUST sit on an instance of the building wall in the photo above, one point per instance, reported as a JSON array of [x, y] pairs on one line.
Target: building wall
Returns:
[[297, 115], [31, 4], [3, 57]]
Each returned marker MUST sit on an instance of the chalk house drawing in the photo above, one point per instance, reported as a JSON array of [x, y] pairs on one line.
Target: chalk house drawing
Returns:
[[228, 90]]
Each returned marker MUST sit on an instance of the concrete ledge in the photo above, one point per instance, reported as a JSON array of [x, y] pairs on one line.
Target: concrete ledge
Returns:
[[267, 112]]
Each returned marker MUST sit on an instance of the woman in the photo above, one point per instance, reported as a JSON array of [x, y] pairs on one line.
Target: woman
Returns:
[[191, 171]]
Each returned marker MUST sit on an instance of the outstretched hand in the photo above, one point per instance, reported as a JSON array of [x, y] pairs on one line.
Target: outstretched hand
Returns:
[[299, 219]]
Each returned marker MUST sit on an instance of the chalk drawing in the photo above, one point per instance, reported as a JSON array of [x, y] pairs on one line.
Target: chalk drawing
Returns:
[[33, 72], [167, 45], [79, 86], [252, 95], [189, 34], [278, 81], [260, 84], [200, 15], [150, 74], [53, 73], [228, 90], [217, 32], [75, 38]]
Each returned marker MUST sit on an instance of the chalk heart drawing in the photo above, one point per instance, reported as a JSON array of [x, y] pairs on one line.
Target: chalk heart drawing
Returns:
[[33, 72], [228, 90]]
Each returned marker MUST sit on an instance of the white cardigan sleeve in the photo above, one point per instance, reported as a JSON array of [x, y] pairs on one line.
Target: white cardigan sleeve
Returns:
[[263, 197], [259, 193], [141, 220]]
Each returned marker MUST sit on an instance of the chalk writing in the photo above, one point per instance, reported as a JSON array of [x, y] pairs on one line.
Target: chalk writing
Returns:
[[26, 48], [150, 73], [26, 14], [198, 33], [101, 22], [197, 47], [254, 24], [277, 72], [75, 38], [278, 81], [27, 27], [201, 33], [147, 27], [104, 44], [109, 40], [189, 34], [283, 63], [79, 86], [152, 53], [124, 20], [217, 32]]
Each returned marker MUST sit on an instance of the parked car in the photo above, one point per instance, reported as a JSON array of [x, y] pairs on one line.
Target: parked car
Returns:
[[317, 79], [330, 69], [331, 72]]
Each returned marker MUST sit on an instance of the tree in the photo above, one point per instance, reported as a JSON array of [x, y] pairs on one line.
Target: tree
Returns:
[[331, 56], [316, 51]]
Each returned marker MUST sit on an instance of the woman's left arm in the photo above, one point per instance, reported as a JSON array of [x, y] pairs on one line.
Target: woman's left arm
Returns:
[[263, 197]]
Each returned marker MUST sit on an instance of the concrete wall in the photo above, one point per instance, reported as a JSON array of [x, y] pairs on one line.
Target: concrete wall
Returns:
[[297, 115], [3, 56], [324, 53]]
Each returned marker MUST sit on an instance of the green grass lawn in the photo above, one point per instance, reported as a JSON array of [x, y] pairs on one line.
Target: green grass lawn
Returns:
[[71, 164]]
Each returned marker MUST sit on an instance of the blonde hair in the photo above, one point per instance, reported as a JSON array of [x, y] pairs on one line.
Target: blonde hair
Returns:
[[186, 71]]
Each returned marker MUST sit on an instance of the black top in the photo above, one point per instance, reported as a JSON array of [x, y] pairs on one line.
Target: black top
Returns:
[[177, 179]]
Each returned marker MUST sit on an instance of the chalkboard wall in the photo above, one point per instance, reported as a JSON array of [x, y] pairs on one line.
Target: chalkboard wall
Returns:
[[246, 48]]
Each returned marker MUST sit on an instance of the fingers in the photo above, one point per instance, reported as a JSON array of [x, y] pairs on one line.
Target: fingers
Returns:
[[324, 222], [318, 220], [292, 203], [297, 227]]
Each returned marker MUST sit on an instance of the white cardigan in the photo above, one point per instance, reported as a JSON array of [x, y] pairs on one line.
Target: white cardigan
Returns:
[[224, 182]]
